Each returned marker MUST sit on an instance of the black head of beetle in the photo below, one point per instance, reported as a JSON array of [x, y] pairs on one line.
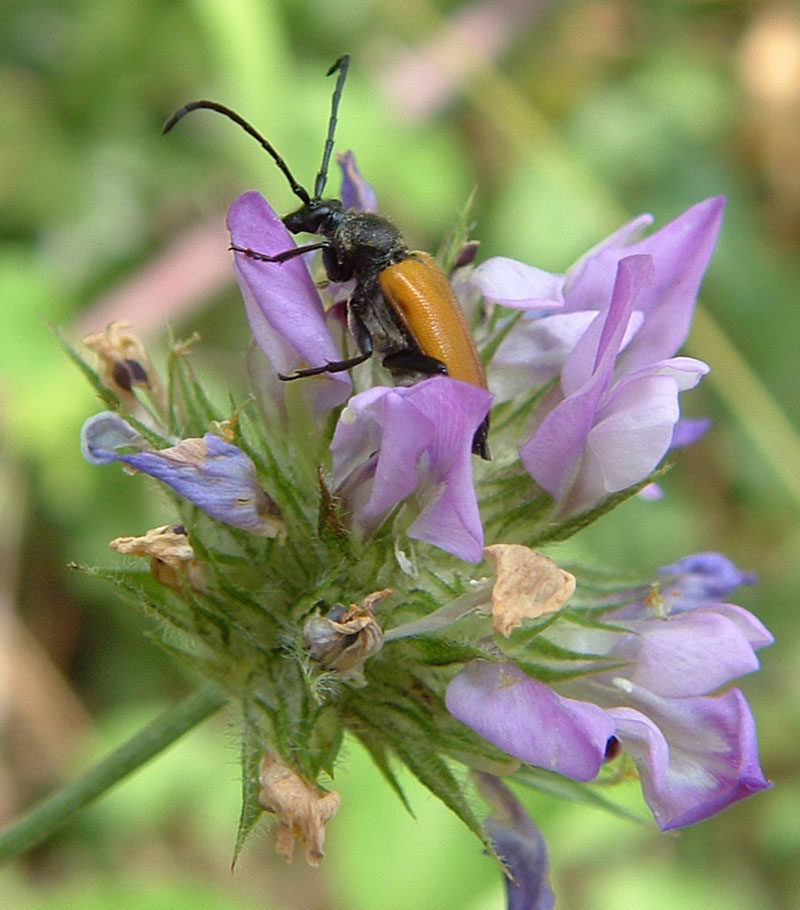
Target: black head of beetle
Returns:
[[319, 216], [402, 304]]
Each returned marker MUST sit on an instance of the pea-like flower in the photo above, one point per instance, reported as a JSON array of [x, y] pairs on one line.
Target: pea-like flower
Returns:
[[391, 443], [621, 313], [654, 691], [215, 475]]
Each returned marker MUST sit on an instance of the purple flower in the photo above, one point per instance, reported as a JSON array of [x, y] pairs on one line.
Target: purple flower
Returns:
[[357, 193], [391, 443], [520, 845], [611, 428], [213, 474], [529, 720], [540, 343], [701, 578], [696, 756], [610, 328], [282, 303], [697, 751]]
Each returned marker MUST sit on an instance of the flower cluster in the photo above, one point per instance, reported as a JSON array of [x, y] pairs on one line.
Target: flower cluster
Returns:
[[345, 489]]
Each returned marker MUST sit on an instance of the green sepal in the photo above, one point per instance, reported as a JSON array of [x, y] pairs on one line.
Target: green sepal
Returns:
[[106, 395], [252, 751], [441, 652], [450, 248], [564, 788]]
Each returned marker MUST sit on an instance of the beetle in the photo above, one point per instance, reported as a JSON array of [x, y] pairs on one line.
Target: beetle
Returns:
[[402, 305]]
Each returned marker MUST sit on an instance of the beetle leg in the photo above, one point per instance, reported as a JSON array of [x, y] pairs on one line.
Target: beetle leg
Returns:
[[335, 366], [280, 257], [364, 342], [414, 361]]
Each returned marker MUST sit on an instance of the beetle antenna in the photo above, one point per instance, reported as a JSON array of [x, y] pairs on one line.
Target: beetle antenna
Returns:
[[341, 65], [298, 190]]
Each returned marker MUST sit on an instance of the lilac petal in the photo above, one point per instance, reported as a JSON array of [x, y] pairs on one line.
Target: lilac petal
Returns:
[[357, 194], [688, 431], [213, 474], [103, 434], [702, 578], [681, 251], [596, 351], [534, 352], [422, 435], [520, 845], [514, 284], [696, 756], [552, 454], [670, 657], [632, 432], [529, 720], [651, 493], [282, 302], [619, 240]]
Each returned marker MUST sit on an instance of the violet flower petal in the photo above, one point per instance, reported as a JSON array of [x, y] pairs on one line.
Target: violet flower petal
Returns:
[[681, 251], [216, 476], [357, 194], [688, 431], [701, 578], [399, 441], [282, 303], [519, 843], [514, 284], [696, 756], [552, 454], [670, 657], [534, 352], [529, 720]]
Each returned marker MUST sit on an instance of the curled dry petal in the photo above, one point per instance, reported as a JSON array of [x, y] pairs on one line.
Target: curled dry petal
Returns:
[[170, 553], [125, 363], [344, 639], [527, 584], [303, 809]]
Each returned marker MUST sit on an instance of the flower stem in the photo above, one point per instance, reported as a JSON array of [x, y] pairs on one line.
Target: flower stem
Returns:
[[57, 809]]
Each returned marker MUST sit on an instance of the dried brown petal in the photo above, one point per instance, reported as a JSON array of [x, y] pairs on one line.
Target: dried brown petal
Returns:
[[170, 553], [527, 584], [303, 809], [344, 639], [125, 363]]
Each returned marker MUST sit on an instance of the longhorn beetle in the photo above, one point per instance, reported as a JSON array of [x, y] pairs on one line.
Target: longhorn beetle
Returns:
[[402, 305]]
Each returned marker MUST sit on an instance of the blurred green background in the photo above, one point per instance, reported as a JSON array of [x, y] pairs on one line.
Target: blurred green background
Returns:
[[568, 117]]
